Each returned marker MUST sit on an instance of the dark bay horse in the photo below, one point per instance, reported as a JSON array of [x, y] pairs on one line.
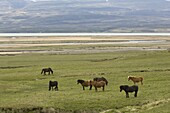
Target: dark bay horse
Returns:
[[130, 89], [53, 84], [44, 70], [84, 83], [100, 79]]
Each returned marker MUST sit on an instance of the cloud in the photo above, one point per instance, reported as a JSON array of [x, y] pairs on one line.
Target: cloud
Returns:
[[34, 0]]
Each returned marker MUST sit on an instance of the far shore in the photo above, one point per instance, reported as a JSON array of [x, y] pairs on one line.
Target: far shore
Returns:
[[90, 38], [19, 45]]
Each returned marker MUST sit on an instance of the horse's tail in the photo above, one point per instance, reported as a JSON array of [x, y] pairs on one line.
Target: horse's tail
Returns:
[[142, 80], [56, 88], [105, 81]]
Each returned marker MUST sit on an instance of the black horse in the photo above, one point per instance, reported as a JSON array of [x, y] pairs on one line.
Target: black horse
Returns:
[[100, 79], [44, 70], [53, 84], [130, 89], [84, 83]]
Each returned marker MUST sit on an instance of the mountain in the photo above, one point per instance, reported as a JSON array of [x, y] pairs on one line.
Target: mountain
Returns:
[[84, 16]]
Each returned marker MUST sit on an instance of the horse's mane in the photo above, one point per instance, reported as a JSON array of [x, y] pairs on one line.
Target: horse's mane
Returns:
[[134, 77], [131, 76]]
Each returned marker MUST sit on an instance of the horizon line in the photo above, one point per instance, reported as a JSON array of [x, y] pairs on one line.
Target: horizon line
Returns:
[[83, 34]]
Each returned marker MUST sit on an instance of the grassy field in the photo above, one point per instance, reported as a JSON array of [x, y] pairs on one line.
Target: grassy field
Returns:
[[24, 89]]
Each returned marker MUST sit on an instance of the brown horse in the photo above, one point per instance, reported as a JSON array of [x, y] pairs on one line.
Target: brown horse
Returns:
[[98, 84], [101, 79], [84, 83], [44, 70], [136, 79]]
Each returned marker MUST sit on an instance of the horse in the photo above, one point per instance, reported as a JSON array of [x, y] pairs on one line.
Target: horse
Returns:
[[84, 83], [98, 84], [100, 79], [53, 84], [136, 79], [44, 70], [130, 89]]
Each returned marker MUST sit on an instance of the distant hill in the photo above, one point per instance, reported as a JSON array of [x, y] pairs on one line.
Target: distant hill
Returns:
[[84, 16]]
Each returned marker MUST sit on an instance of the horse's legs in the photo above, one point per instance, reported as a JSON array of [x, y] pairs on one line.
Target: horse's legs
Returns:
[[56, 88], [136, 93], [127, 95], [141, 83], [103, 88], [42, 72], [83, 88], [95, 88], [90, 87], [49, 87]]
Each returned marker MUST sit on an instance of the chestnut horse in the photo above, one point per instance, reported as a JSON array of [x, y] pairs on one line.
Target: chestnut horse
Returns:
[[98, 84], [136, 79]]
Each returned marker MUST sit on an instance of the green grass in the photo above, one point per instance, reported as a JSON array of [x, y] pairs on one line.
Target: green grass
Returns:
[[23, 87]]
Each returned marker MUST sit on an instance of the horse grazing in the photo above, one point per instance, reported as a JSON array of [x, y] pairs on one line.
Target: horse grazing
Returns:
[[136, 79], [98, 84], [44, 70], [128, 89], [100, 79], [53, 84], [84, 83]]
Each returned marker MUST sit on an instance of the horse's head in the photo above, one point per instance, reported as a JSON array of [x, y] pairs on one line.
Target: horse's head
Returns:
[[50, 70], [129, 77], [80, 81], [121, 88]]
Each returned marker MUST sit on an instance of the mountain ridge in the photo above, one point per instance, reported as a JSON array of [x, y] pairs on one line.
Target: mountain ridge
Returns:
[[84, 16]]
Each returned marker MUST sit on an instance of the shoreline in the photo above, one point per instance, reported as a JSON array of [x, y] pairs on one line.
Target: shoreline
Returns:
[[83, 34], [89, 44]]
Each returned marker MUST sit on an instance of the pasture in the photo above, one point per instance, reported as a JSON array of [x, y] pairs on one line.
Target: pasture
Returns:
[[24, 89]]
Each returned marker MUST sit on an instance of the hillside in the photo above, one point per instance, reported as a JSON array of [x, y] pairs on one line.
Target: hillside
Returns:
[[84, 16]]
